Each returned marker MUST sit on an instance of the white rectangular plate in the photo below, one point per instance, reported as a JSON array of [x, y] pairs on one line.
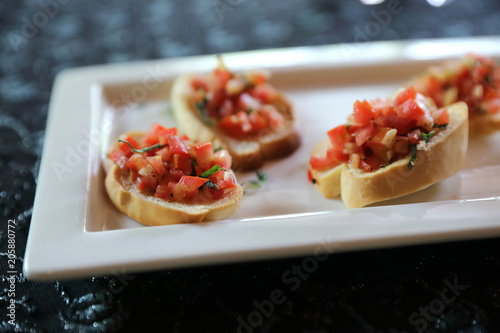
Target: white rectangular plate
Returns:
[[76, 231]]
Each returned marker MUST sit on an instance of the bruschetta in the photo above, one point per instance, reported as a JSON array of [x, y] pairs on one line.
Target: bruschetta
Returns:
[[390, 148], [240, 112], [160, 178], [474, 80]]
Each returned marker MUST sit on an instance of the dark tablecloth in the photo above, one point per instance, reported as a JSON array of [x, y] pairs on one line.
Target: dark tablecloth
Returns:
[[451, 287]]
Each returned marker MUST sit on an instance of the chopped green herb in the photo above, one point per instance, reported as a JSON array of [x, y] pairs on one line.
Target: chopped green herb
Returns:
[[203, 110], [249, 111], [413, 156], [211, 185], [440, 126], [210, 171], [261, 178], [218, 149], [143, 150], [428, 137]]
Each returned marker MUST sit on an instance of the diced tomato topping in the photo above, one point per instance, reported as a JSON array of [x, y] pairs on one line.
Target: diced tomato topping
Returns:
[[414, 136], [157, 163], [363, 113], [204, 154], [440, 117], [124, 147], [363, 134], [371, 163], [177, 146], [408, 93], [120, 158], [151, 137], [173, 172], [322, 163], [338, 136]]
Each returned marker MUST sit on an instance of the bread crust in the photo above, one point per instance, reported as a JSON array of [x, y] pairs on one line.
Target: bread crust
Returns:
[[326, 181], [444, 157], [248, 154], [152, 211], [484, 124]]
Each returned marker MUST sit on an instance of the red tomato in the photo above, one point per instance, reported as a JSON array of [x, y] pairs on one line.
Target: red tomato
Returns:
[[237, 125], [126, 148], [204, 154], [177, 146], [338, 136], [120, 159], [223, 159], [410, 110], [414, 136], [371, 163], [263, 92], [198, 83], [363, 113], [192, 184], [163, 135], [403, 126], [322, 163], [273, 118], [223, 75], [157, 163], [363, 134], [151, 137], [440, 117], [408, 93]]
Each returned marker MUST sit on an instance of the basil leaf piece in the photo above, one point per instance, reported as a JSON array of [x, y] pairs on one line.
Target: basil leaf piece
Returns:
[[211, 185], [428, 137], [203, 111], [261, 178], [413, 156], [143, 150], [210, 171]]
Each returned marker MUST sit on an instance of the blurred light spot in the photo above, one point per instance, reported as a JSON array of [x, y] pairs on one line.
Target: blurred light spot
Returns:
[[371, 2], [436, 3]]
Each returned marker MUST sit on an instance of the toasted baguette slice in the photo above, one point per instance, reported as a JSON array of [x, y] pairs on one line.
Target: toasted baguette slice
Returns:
[[484, 124], [149, 210], [247, 154], [326, 181], [445, 156]]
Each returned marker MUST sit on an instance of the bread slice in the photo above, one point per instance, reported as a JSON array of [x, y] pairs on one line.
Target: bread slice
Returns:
[[153, 211], [248, 154], [326, 181], [444, 156], [484, 124]]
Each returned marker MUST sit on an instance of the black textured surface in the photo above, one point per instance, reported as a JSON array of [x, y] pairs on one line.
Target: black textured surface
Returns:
[[371, 291]]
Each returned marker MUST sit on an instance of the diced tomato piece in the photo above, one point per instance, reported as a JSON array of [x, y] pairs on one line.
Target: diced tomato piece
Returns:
[[119, 158], [226, 108], [273, 118], [157, 163], [165, 154], [192, 184], [410, 110], [204, 154], [237, 125], [403, 126], [363, 134], [177, 146], [401, 145], [126, 148], [215, 102], [414, 136], [370, 163], [309, 175], [379, 134], [176, 175], [181, 163], [198, 83], [150, 180], [408, 93], [363, 113], [162, 192], [441, 117], [258, 123], [263, 93], [151, 137], [164, 135], [338, 136], [223, 159], [322, 163], [223, 180], [223, 75]]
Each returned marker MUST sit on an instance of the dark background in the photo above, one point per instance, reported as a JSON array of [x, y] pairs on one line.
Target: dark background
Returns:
[[370, 291]]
